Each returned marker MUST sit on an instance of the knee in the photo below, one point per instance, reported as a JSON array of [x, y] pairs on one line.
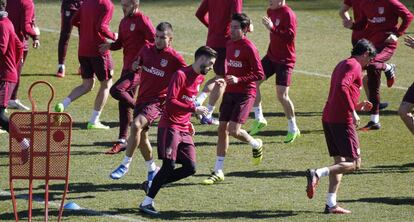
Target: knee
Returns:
[[114, 91], [283, 97], [136, 124], [222, 130], [168, 165], [190, 167], [234, 132]]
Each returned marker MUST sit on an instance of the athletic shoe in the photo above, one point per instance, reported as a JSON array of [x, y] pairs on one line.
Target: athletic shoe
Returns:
[[119, 172], [290, 137], [257, 126], [116, 148], [148, 209], [313, 181], [215, 177], [383, 105], [390, 74], [151, 174], [97, 126], [2, 131], [59, 108], [336, 210], [209, 121], [60, 72], [371, 126], [257, 153], [17, 104]]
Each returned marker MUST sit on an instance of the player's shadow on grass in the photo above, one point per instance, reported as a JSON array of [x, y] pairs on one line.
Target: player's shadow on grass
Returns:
[[38, 214], [267, 174], [38, 74], [104, 144], [90, 187], [281, 114], [404, 168], [382, 112], [385, 200], [83, 125]]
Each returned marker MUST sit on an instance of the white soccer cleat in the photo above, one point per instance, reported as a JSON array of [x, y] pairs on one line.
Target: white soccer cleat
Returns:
[[17, 104]]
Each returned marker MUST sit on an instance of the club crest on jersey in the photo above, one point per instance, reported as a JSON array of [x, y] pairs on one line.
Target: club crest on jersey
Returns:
[[277, 22], [236, 53], [164, 62], [381, 10], [132, 27]]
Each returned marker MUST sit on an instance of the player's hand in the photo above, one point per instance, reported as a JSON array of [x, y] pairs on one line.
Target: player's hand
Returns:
[[136, 64], [36, 30], [230, 79], [347, 23], [192, 129], [220, 81], [104, 47], [201, 110], [409, 41], [364, 106], [267, 23], [355, 118], [36, 43], [251, 27], [391, 38], [116, 35]]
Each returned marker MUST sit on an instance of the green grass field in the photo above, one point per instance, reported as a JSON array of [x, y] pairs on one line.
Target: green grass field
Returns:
[[275, 190]]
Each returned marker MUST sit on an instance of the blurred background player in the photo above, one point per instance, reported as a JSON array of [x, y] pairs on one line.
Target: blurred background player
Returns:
[[135, 30], [67, 11], [280, 59], [93, 20], [379, 21], [243, 70], [22, 15], [175, 131], [157, 64], [340, 121], [216, 16], [407, 105]]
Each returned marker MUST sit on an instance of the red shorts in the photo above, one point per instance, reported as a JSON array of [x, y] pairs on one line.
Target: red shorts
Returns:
[[409, 95], [6, 90], [150, 110], [236, 107], [283, 71], [219, 66], [101, 66], [342, 139], [175, 145]]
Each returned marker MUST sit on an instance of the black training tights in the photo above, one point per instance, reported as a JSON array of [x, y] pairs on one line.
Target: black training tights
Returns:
[[4, 121]]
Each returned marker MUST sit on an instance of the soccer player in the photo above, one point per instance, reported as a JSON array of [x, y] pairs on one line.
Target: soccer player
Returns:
[[93, 20], [157, 62], [280, 59], [407, 105], [175, 131], [339, 122], [67, 11], [379, 20], [243, 70], [135, 30], [216, 16], [22, 15]]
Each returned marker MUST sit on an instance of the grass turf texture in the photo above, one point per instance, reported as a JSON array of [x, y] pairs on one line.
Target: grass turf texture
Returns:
[[381, 191]]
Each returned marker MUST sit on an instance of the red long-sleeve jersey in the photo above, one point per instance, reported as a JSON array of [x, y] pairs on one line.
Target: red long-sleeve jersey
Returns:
[[22, 15], [11, 51]]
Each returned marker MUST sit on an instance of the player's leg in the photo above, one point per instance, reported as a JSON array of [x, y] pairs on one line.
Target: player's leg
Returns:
[[146, 152], [407, 107], [237, 132], [374, 83], [259, 120], [65, 30], [288, 107], [14, 102], [122, 88], [379, 62]]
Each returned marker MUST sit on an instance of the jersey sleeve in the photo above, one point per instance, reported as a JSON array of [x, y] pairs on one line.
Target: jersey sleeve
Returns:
[[404, 14], [104, 20], [202, 12], [176, 84], [255, 65]]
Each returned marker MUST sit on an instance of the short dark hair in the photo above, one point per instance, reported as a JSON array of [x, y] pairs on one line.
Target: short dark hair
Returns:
[[165, 26], [363, 46], [243, 19], [205, 51], [3, 4]]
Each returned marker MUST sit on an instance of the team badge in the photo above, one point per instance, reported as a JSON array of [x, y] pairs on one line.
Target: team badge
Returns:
[[381, 10], [236, 53], [277, 22], [132, 27], [164, 62]]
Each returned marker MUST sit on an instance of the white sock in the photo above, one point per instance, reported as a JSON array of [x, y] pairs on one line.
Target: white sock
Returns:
[[331, 199], [147, 200], [201, 98], [375, 118], [61, 66], [387, 67], [322, 172], [150, 165], [258, 112], [210, 110], [66, 102], [292, 127], [95, 117], [219, 163], [254, 143], [121, 140], [127, 161]]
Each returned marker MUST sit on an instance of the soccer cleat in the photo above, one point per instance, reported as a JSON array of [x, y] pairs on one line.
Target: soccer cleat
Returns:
[[97, 126], [290, 137], [383, 105], [257, 153], [119, 172], [209, 121], [390, 74], [371, 126], [313, 181], [336, 210], [148, 209], [215, 177], [257, 126], [116, 148], [60, 72], [17, 104]]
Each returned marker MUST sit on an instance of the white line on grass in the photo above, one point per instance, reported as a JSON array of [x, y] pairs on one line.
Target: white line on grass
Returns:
[[83, 210]]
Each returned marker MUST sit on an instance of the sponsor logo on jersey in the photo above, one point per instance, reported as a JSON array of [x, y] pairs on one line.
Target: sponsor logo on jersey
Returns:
[[132, 27], [236, 53], [188, 98], [235, 64], [154, 71], [277, 22], [381, 10], [163, 63], [377, 20]]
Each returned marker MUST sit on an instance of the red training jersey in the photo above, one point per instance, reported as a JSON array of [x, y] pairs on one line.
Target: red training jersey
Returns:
[[158, 66], [182, 92], [93, 20], [243, 61], [344, 92], [22, 15], [71, 5], [216, 16], [356, 8], [282, 36]]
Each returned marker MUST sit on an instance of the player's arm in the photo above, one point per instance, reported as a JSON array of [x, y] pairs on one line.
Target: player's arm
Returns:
[[409, 41], [344, 12], [237, 6], [19, 49], [76, 18], [345, 86], [176, 84], [180, 61], [256, 67], [103, 23], [148, 29], [29, 26], [286, 32], [202, 13], [117, 45], [358, 25], [405, 16]]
